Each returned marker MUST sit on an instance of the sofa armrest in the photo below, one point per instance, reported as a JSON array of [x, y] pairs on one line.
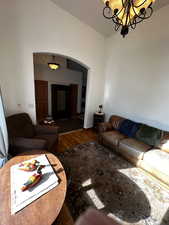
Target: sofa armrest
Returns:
[[103, 127], [46, 129], [29, 143], [164, 142]]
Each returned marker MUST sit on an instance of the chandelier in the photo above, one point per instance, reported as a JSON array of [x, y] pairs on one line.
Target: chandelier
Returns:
[[127, 13]]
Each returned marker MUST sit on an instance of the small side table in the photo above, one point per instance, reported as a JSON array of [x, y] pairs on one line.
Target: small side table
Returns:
[[44, 210], [98, 118]]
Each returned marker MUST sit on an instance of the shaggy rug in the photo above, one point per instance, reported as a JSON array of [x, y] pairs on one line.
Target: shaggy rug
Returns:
[[99, 178]]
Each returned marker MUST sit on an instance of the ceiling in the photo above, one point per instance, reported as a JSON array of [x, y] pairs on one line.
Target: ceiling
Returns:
[[45, 58], [90, 12]]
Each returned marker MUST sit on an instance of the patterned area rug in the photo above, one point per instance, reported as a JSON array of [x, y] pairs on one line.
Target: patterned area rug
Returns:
[[99, 178]]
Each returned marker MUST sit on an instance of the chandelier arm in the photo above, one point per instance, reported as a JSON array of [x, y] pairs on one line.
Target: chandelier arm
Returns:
[[123, 15], [136, 13], [115, 15], [123, 3], [150, 14], [104, 14], [151, 10], [139, 21], [116, 22], [136, 20], [132, 24], [145, 17], [119, 12], [117, 26], [128, 13]]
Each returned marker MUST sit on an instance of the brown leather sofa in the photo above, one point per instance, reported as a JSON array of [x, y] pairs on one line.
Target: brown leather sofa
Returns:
[[152, 158], [25, 136]]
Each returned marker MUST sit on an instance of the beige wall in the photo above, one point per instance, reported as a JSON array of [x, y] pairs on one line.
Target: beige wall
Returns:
[[137, 72], [137, 67], [40, 26]]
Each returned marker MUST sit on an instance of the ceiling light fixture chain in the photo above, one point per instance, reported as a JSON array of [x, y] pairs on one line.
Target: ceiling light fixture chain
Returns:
[[127, 13]]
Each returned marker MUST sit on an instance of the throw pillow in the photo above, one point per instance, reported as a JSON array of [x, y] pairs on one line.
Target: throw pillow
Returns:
[[129, 128], [149, 135]]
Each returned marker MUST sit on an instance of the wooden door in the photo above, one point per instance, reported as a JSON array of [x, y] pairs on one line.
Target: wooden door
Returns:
[[41, 97], [73, 99]]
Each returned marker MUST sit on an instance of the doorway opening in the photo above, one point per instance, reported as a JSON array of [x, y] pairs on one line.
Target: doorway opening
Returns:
[[60, 94]]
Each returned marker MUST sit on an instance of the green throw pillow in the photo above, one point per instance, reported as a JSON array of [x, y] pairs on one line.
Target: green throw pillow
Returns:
[[149, 135]]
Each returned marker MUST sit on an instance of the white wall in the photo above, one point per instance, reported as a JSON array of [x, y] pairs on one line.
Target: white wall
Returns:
[[62, 76], [137, 72], [41, 26]]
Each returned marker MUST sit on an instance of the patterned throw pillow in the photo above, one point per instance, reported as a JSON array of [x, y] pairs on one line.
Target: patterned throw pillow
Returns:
[[116, 121]]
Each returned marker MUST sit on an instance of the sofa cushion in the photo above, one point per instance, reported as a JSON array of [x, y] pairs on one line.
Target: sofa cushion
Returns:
[[129, 128], [149, 135], [132, 149], [51, 139], [156, 162], [111, 139], [116, 121], [20, 125]]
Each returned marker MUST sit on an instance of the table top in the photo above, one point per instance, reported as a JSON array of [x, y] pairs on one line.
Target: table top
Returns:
[[42, 211]]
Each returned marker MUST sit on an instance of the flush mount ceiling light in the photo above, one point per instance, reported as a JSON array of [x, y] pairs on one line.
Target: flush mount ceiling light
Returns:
[[127, 13], [53, 65]]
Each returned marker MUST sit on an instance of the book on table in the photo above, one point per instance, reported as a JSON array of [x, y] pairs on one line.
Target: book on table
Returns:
[[19, 198]]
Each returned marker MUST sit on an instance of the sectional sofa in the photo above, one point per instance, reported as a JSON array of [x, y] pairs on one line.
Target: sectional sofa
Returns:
[[144, 146]]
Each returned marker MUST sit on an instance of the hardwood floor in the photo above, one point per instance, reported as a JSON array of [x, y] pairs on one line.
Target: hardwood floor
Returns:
[[64, 217], [66, 142], [69, 140]]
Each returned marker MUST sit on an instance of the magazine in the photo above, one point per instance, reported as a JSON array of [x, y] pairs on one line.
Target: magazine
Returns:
[[19, 198]]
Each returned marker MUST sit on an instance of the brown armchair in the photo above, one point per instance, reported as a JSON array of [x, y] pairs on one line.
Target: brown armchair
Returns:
[[25, 136]]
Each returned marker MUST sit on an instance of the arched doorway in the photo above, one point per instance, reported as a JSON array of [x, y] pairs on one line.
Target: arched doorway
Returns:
[[60, 93]]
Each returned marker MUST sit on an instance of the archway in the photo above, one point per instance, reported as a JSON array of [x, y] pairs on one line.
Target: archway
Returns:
[[67, 63]]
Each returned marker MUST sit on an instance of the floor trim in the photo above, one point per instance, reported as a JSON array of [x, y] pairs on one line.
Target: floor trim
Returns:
[[72, 131]]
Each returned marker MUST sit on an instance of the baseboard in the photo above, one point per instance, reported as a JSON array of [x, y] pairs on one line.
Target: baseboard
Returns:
[[72, 131]]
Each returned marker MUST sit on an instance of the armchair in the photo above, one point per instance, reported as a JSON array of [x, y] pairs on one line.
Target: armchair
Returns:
[[25, 136]]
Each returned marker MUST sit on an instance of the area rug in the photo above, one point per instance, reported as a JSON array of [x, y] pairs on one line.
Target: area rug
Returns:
[[99, 178]]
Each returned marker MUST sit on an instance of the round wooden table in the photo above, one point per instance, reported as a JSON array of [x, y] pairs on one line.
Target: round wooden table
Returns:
[[42, 211]]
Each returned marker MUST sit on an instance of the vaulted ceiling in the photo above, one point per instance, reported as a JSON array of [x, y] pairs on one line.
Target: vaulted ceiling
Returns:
[[90, 12]]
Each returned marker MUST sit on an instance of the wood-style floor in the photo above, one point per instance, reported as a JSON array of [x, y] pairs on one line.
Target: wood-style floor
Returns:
[[68, 141]]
